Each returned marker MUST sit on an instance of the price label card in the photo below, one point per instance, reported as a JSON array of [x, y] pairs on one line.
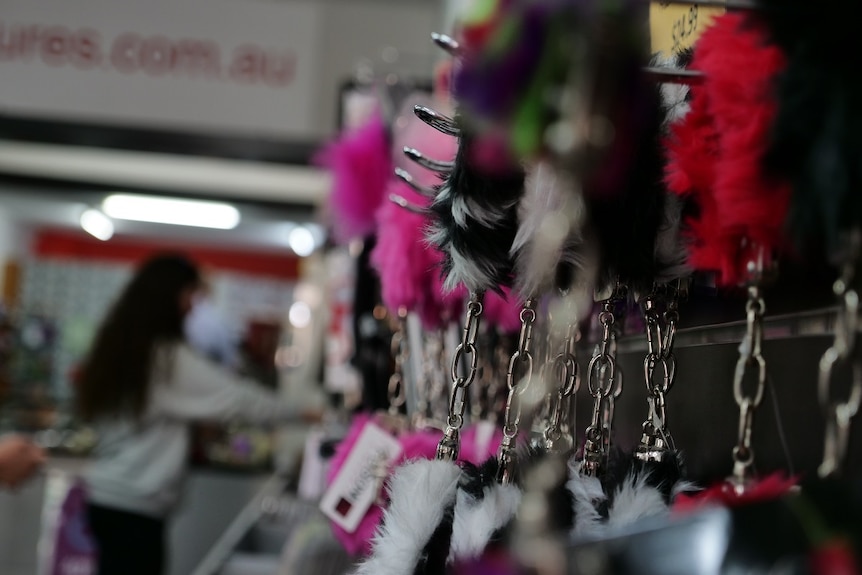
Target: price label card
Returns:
[[359, 481], [674, 28]]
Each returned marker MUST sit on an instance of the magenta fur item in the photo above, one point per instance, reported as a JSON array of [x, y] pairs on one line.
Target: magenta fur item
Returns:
[[402, 259], [442, 303], [421, 444], [361, 165], [477, 454], [408, 267]]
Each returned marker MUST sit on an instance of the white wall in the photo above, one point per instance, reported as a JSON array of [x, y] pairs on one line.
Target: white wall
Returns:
[[356, 29], [180, 64]]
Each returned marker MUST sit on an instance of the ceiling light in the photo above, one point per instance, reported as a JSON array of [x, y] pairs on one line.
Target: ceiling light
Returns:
[[299, 314], [97, 224], [301, 241], [175, 211]]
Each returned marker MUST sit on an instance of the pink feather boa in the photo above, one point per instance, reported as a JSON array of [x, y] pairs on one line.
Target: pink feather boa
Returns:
[[361, 166], [416, 445]]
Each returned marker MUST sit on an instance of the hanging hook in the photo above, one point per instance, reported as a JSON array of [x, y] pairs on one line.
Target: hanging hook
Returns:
[[446, 43], [408, 179], [439, 122], [402, 202], [427, 163]]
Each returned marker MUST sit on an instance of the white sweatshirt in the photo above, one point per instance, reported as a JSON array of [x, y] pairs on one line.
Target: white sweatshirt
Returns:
[[140, 464]]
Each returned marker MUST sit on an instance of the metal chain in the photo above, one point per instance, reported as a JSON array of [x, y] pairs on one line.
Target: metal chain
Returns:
[[424, 385], [601, 380], [497, 387], [655, 437], [545, 407], [433, 383], [439, 398], [396, 390], [521, 361], [466, 359], [557, 436], [611, 400], [750, 356], [843, 350]]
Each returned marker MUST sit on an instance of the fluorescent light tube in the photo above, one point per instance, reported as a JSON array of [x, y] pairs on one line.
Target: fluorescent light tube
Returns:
[[97, 224], [174, 211]]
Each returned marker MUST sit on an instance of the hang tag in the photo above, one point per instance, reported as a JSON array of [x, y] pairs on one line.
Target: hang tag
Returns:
[[357, 485]]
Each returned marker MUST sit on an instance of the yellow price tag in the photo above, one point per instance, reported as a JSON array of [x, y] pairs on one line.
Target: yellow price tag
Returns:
[[674, 28]]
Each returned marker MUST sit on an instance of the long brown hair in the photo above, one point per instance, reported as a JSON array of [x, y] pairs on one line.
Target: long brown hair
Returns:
[[116, 375]]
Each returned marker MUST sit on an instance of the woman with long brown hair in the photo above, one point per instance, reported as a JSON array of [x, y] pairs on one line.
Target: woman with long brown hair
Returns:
[[142, 386]]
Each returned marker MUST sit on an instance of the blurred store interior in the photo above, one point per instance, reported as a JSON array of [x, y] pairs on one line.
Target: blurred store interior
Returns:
[[225, 129], [145, 119]]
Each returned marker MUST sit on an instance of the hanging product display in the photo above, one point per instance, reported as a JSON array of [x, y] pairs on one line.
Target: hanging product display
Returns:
[[574, 186], [739, 230]]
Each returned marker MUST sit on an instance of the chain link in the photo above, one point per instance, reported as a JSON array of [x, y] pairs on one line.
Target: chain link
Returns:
[[433, 387], [557, 435], [396, 390], [521, 361], [543, 412], [604, 387], [479, 390], [498, 391], [671, 320], [750, 356], [616, 391], [843, 350], [659, 360], [450, 444]]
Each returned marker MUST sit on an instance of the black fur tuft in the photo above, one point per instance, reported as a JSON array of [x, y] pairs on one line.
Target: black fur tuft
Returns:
[[432, 560], [474, 221], [663, 475], [475, 479], [817, 134], [627, 250]]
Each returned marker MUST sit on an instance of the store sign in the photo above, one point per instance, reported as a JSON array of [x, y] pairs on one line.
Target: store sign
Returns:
[[675, 27], [246, 67]]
